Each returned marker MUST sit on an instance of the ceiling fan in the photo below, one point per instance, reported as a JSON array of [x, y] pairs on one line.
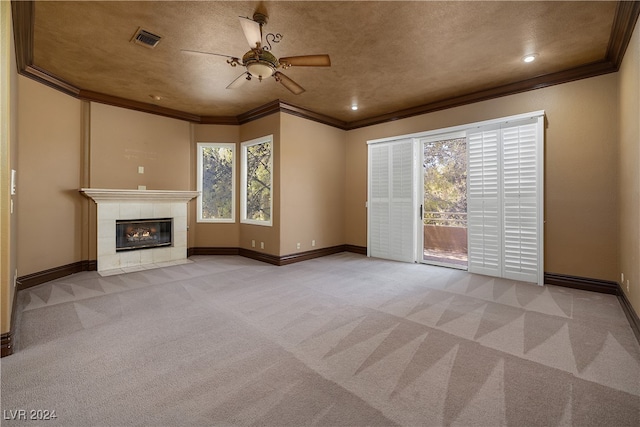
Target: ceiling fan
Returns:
[[260, 62]]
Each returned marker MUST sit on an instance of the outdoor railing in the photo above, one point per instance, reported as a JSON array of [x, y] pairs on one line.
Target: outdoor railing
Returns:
[[446, 219]]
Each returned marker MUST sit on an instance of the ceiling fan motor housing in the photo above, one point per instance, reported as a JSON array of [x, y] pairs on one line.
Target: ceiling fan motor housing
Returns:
[[260, 18], [260, 64]]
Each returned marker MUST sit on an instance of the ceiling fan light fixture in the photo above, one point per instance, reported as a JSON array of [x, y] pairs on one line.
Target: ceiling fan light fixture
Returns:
[[260, 69], [261, 64]]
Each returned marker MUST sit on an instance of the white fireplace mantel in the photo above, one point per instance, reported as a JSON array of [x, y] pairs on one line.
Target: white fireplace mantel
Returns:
[[103, 195], [114, 205]]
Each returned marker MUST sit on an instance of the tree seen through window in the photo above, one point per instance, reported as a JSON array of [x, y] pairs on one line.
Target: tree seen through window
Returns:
[[258, 182], [217, 182]]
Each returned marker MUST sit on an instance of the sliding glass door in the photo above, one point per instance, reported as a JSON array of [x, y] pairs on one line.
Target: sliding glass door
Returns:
[[470, 197], [444, 201]]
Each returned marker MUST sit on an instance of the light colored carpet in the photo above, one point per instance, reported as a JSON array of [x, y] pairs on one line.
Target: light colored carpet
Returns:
[[339, 340]]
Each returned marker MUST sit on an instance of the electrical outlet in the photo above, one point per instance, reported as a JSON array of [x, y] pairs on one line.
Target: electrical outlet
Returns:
[[140, 169], [297, 245], [261, 245], [253, 243], [313, 243]]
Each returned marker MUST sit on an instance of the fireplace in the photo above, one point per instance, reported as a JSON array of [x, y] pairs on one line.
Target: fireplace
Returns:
[[137, 207], [143, 233]]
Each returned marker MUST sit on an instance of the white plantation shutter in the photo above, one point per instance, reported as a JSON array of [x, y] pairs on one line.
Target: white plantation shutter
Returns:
[[391, 204], [379, 202], [504, 196], [504, 199], [520, 202], [483, 202]]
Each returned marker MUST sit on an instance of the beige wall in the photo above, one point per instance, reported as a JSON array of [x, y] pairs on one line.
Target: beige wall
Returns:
[[312, 185], [320, 171], [49, 212], [581, 158], [9, 159], [211, 234], [581, 208], [308, 163], [629, 163], [122, 140], [269, 125]]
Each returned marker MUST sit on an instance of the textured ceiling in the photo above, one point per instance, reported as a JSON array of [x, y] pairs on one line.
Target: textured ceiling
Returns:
[[386, 55]]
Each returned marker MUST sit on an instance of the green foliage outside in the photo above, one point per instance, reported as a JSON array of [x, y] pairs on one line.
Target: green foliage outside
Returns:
[[259, 182], [445, 183], [217, 182]]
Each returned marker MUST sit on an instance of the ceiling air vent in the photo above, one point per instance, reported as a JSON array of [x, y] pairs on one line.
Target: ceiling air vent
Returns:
[[146, 38]]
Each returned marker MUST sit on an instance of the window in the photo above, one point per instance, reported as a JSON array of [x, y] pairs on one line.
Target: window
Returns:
[[216, 182], [256, 181]]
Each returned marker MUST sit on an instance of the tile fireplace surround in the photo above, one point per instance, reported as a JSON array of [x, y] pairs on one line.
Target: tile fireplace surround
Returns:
[[139, 204]]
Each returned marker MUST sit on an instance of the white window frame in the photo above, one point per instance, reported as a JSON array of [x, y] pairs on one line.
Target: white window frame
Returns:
[[243, 181], [201, 146]]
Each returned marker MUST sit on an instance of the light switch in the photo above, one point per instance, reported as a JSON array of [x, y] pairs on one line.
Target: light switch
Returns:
[[13, 182], [140, 169]]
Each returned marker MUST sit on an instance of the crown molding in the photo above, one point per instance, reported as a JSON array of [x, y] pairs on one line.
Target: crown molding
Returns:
[[311, 115], [43, 76], [259, 112], [625, 19], [279, 106], [88, 95], [539, 82], [23, 16], [219, 120]]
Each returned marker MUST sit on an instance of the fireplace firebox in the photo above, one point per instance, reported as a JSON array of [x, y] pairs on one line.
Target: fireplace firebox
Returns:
[[143, 233]]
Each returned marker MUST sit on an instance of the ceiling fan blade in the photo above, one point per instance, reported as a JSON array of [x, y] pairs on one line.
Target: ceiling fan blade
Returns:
[[242, 79], [252, 31], [294, 87], [306, 61], [208, 53]]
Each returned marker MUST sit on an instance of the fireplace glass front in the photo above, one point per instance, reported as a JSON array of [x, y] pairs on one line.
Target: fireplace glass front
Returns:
[[143, 233]]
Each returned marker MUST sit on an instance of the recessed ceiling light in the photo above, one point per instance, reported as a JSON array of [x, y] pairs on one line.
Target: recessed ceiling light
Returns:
[[530, 58], [155, 97], [354, 107]]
